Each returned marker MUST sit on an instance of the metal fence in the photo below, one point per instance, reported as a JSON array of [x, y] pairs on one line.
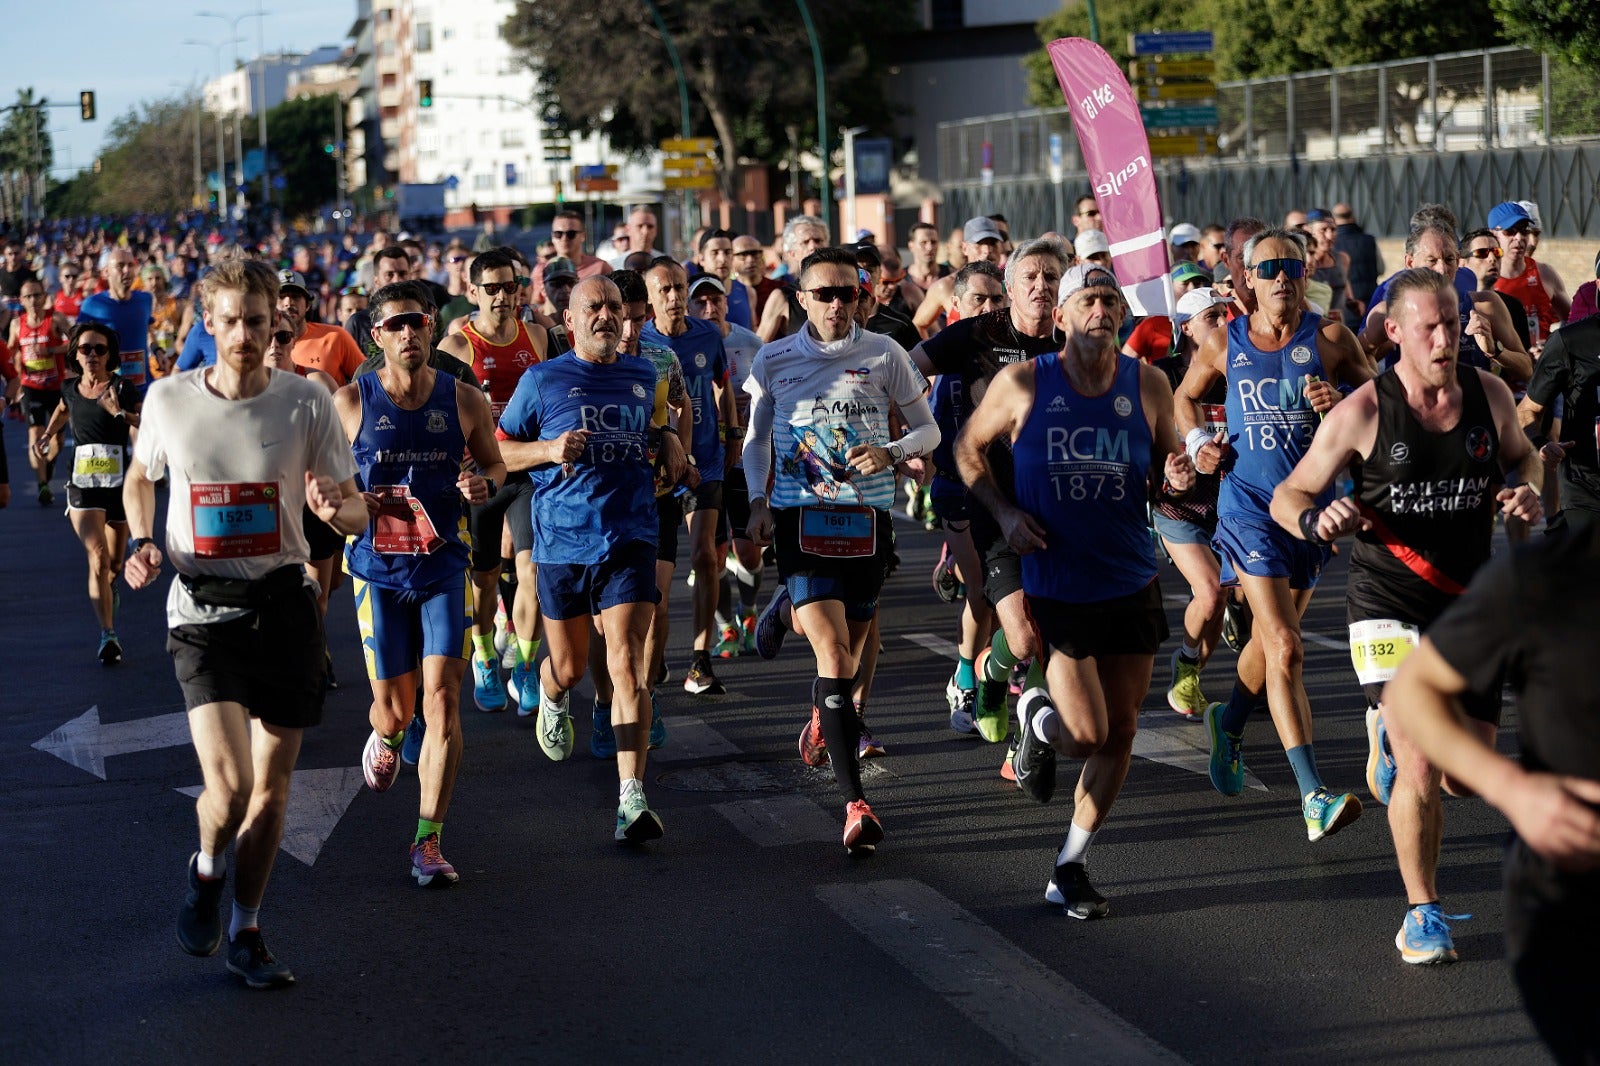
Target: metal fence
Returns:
[[1465, 101]]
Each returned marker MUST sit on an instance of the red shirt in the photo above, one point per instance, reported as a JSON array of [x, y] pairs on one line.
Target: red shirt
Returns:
[[1151, 339]]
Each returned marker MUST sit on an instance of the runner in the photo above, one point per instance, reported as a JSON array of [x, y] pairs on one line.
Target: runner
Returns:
[[749, 273], [981, 241], [101, 408], [1568, 376], [821, 400], [317, 345], [409, 426], [1537, 285], [585, 424], [500, 347], [1281, 364], [128, 312], [240, 447], [973, 350], [924, 268], [715, 448], [39, 347], [1428, 444], [782, 315], [1087, 431]]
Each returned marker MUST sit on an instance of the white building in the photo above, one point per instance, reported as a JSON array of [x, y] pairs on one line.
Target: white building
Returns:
[[267, 77]]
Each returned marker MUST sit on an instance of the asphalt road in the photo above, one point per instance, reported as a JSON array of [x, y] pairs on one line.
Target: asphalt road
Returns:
[[747, 934]]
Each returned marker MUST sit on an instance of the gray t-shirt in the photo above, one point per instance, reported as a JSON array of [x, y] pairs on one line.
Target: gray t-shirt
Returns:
[[236, 471]]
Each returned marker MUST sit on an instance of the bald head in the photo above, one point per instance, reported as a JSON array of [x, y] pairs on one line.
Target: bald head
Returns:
[[594, 319]]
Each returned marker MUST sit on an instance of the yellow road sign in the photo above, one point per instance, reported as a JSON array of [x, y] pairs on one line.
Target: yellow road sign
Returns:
[[1172, 146], [690, 181], [689, 145], [678, 165], [1160, 67], [1169, 89]]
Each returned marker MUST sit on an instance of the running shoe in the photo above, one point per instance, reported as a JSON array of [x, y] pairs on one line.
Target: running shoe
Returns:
[[503, 640], [555, 727], [913, 504], [773, 625], [1235, 624], [508, 657], [329, 681], [962, 702], [1035, 761], [1184, 696], [991, 720], [525, 677], [602, 738], [1227, 753], [658, 727], [945, 582], [429, 866], [200, 919], [380, 764], [1424, 937], [869, 746], [636, 822], [1326, 813], [728, 645], [110, 652], [1007, 771], [411, 747], [249, 958], [747, 634], [46, 497], [813, 747], [488, 690], [1071, 891], [991, 694], [862, 830], [1381, 767], [1019, 677], [701, 680]]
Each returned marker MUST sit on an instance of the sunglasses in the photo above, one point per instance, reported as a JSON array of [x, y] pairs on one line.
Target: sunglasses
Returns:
[[1485, 253], [751, 251], [353, 290], [829, 293], [456, 259], [283, 337], [1219, 247], [94, 349], [523, 280], [1268, 269], [558, 234], [495, 288], [1093, 212], [415, 320]]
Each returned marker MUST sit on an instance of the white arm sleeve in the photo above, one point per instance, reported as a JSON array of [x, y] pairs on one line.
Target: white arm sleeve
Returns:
[[922, 432], [757, 454]]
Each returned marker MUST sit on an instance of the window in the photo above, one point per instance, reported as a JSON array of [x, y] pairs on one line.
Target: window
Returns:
[[481, 182], [447, 33], [424, 36], [511, 139]]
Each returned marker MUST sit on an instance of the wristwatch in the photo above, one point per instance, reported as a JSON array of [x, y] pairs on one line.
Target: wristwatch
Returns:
[[897, 454], [137, 543]]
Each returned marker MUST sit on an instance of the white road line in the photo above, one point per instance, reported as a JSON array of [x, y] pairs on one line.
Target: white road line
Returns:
[[691, 738], [1030, 1010], [778, 821], [937, 645], [1324, 642], [1170, 740]]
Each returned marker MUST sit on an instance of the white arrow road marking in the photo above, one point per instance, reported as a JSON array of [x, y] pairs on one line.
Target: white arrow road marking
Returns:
[[86, 742], [1174, 742], [317, 800]]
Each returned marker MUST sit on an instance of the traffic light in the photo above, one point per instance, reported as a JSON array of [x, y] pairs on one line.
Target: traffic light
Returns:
[[86, 105], [425, 92]]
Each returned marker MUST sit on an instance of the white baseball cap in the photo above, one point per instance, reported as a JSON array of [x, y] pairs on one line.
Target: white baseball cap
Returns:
[[1533, 213], [1083, 276], [1184, 233], [1195, 301], [1091, 242]]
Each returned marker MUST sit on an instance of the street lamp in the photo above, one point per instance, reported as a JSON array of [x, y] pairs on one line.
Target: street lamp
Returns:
[[238, 133], [222, 157]]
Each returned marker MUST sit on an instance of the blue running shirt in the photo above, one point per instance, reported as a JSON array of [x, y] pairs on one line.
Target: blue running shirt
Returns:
[[705, 364], [1270, 421]]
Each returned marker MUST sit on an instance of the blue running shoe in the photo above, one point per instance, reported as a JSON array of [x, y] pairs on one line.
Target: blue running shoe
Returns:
[[1380, 758], [773, 625], [658, 728], [488, 690], [1326, 813], [411, 749], [602, 738], [1424, 938], [1227, 754], [525, 684]]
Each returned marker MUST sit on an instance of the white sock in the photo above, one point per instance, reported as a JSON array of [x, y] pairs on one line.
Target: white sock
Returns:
[[1189, 651], [1077, 846], [211, 866], [243, 918], [629, 784]]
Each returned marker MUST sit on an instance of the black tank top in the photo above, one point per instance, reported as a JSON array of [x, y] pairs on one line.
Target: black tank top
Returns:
[[1430, 496]]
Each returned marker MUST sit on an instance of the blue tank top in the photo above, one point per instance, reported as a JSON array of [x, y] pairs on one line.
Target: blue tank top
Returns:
[[423, 450], [1270, 421], [704, 361], [1082, 470], [608, 496]]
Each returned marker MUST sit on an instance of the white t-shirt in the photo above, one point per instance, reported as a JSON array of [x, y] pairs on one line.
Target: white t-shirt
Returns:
[[236, 471], [826, 399]]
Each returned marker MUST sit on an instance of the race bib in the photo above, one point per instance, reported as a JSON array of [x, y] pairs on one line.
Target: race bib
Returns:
[[236, 521], [39, 364], [97, 466], [130, 367], [838, 532], [402, 525], [1379, 646]]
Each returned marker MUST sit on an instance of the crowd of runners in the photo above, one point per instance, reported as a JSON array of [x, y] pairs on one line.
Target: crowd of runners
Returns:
[[500, 457]]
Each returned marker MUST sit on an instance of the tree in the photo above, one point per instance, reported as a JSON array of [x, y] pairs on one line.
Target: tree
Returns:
[[604, 68], [25, 153], [298, 133], [1568, 29], [76, 197], [147, 162]]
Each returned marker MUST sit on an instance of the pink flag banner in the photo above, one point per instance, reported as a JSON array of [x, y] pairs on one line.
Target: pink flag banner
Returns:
[[1116, 152]]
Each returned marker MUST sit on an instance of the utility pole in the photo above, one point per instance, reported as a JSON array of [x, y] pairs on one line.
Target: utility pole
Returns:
[[261, 103]]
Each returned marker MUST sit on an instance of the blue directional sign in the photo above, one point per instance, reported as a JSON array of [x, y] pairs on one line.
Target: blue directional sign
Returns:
[[1175, 118], [452, 183], [1160, 44]]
